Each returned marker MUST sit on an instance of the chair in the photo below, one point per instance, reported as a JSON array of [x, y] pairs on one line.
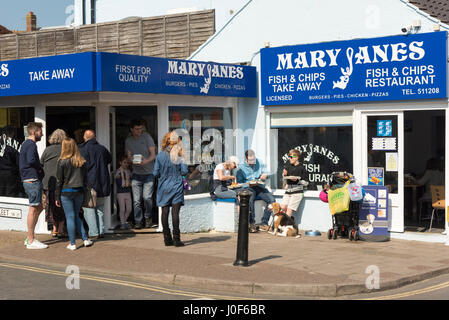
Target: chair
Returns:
[[438, 201]]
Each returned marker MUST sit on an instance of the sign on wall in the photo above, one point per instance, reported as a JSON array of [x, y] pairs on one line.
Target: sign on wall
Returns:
[[377, 69], [129, 73], [99, 71], [56, 74]]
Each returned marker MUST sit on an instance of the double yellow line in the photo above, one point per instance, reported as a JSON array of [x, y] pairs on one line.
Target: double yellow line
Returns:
[[412, 293], [124, 283]]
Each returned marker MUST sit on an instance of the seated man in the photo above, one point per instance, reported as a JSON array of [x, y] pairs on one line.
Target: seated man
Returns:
[[252, 170]]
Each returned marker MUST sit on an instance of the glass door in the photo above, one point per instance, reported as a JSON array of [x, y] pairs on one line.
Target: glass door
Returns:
[[383, 160]]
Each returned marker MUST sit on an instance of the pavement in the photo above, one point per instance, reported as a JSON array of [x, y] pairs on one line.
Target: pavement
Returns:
[[306, 266]]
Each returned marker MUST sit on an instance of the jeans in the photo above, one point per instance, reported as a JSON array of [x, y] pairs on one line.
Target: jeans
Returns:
[[142, 187], [72, 204], [95, 218], [227, 194], [266, 196]]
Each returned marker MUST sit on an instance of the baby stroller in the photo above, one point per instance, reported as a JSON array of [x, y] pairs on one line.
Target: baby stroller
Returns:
[[344, 224]]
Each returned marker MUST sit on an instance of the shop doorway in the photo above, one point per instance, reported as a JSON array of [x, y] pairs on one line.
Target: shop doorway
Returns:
[[383, 163], [73, 120], [424, 150], [119, 119]]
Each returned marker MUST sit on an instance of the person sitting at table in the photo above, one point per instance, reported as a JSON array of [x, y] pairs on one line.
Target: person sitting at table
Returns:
[[432, 176], [223, 178], [250, 172]]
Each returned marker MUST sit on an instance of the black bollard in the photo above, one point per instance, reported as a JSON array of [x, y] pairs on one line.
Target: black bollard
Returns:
[[242, 240]]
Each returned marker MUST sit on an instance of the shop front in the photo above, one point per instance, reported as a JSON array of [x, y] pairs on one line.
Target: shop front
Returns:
[[106, 91], [373, 107]]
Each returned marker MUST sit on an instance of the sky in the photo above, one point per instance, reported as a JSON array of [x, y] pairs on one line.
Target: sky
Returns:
[[49, 13]]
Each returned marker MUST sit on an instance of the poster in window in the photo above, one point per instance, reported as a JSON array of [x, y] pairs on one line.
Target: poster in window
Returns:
[[384, 128], [375, 176], [391, 161]]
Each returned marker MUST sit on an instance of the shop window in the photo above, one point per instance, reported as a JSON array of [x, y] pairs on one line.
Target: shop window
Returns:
[[204, 132], [324, 150], [13, 123]]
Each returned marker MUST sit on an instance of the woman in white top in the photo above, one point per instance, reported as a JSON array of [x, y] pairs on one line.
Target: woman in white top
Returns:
[[223, 178]]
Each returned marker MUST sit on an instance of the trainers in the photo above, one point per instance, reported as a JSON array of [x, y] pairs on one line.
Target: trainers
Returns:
[[36, 245], [71, 247], [25, 243], [147, 223], [88, 243]]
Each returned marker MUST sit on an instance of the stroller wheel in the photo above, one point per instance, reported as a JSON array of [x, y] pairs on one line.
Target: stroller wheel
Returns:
[[335, 234], [356, 235], [330, 233]]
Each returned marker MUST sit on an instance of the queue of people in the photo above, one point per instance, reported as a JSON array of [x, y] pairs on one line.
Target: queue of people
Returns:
[[70, 179], [68, 174]]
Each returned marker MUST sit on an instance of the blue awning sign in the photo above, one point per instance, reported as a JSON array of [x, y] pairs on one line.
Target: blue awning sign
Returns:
[[376, 69], [99, 71]]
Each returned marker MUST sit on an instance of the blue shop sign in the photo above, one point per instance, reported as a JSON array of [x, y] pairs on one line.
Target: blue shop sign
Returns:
[[129, 73], [99, 71], [388, 68], [56, 74]]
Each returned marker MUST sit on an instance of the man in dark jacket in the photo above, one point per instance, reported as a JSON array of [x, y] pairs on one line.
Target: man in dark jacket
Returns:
[[97, 159]]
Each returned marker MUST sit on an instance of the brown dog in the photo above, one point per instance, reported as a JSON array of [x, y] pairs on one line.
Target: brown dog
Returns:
[[283, 224]]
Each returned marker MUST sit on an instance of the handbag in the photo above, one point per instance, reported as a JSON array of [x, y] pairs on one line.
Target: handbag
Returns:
[[355, 191], [339, 199], [186, 185], [90, 198]]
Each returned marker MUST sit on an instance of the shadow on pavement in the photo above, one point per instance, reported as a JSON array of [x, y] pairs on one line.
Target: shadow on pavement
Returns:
[[262, 259], [206, 240]]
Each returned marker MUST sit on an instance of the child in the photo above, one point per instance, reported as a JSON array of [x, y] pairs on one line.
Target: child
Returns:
[[123, 180]]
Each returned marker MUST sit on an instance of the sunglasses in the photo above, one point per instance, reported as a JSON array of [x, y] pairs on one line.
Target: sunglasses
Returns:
[[293, 157]]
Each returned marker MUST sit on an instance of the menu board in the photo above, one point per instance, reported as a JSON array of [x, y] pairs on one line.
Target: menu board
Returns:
[[373, 214]]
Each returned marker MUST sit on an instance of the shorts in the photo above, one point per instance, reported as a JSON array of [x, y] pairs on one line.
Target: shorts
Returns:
[[292, 201], [34, 192]]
